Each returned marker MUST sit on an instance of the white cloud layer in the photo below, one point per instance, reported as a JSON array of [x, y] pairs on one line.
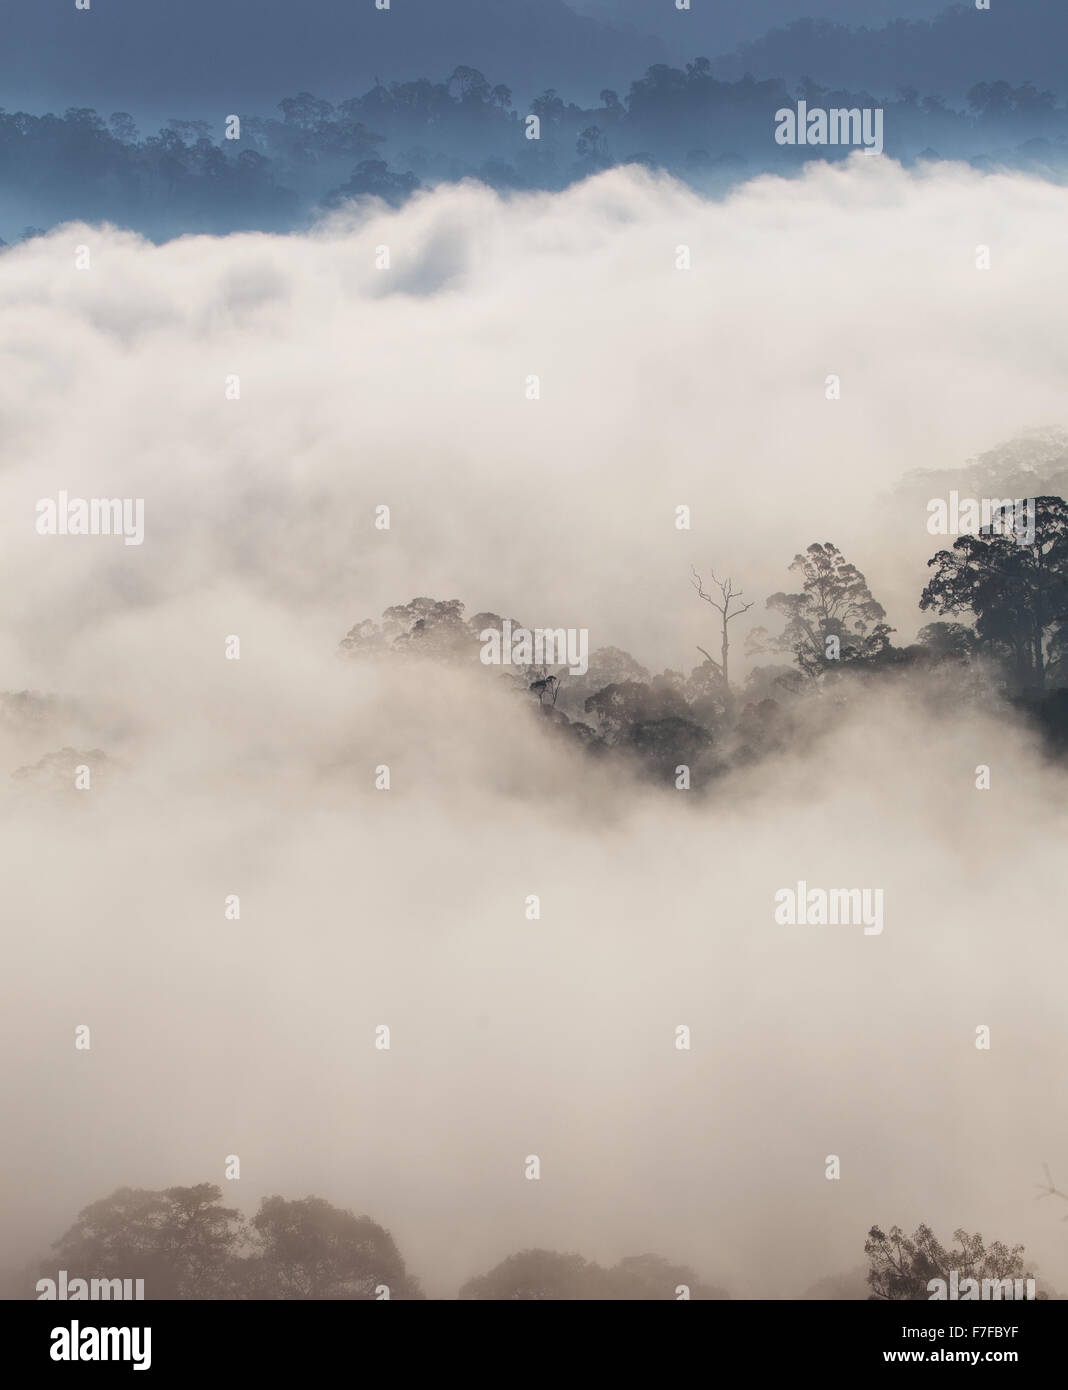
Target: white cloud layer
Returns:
[[659, 388]]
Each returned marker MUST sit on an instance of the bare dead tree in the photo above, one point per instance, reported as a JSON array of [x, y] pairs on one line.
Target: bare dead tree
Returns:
[[727, 595]]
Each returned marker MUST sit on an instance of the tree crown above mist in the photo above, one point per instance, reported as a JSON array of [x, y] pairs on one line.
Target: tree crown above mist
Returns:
[[185, 1244], [835, 605], [1017, 591], [834, 628], [901, 1266]]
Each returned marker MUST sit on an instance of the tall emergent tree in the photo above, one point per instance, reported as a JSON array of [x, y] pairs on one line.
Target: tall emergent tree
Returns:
[[834, 617], [1013, 576]]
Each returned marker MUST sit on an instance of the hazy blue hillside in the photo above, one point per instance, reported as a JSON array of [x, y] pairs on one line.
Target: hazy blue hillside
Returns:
[[1024, 41], [158, 59], [715, 26]]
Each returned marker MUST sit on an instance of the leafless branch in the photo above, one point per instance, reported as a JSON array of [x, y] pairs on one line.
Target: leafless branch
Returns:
[[1048, 1189], [712, 659]]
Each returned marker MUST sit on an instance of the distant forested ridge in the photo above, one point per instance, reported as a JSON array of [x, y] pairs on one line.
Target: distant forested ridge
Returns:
[[182, 1243], [286, 169]]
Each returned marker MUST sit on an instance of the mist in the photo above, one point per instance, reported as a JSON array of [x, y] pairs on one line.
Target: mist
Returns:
[[409, 388]]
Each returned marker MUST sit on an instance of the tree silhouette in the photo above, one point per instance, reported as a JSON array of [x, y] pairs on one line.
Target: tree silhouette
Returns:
[[722, 605], [373, 178], [309, 1249], [182, 1242], [185, 1245], [902, 1266], [835, 605], [1017, 591]]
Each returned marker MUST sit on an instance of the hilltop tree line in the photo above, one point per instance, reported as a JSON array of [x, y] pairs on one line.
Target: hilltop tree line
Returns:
[[185, 1244], [395, 138], [1000, 603]]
